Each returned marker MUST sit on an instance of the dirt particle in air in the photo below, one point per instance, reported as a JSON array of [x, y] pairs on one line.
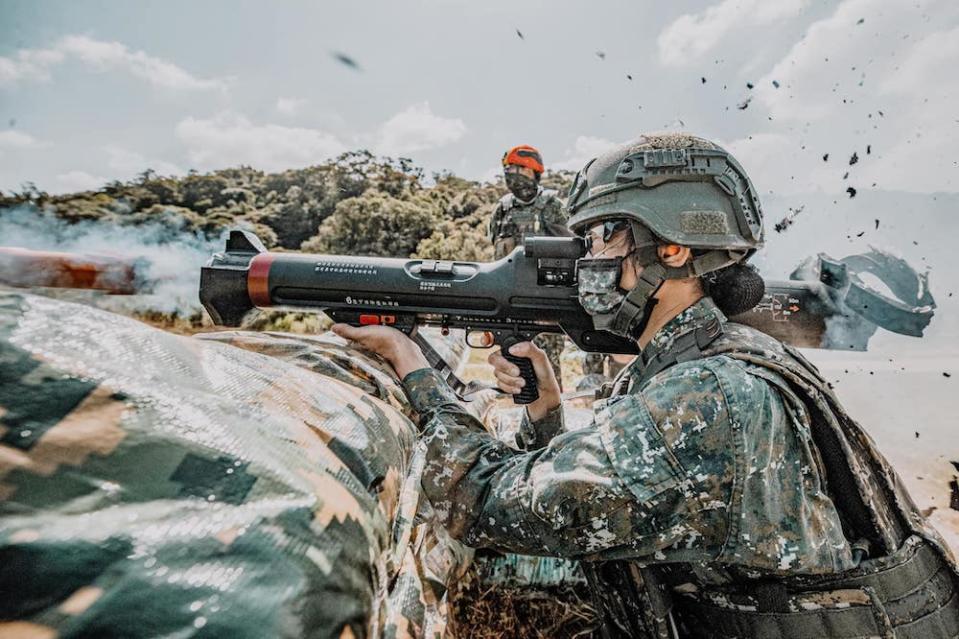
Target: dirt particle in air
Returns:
[[854, 158], [851, 191], [345, 60]]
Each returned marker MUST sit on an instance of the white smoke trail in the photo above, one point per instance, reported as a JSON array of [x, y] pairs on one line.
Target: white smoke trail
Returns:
[[171, 255]]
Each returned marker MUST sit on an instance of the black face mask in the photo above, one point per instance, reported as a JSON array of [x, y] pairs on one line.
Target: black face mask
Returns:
[[524, 188]]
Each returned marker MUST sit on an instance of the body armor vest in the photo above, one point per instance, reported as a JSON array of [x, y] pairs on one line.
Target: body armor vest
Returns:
[[905, 586], [517, 220]]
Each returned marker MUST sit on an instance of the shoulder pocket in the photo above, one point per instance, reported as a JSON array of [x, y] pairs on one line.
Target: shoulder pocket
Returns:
[[636, 447]]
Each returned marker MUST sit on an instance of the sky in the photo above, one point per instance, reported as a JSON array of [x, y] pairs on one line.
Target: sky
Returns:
[[92, 91]]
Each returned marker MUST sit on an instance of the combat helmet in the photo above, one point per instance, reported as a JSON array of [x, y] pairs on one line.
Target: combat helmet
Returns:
[[673, 188]]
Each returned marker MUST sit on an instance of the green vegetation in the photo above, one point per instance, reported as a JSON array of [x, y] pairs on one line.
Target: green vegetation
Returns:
[[356, 204]]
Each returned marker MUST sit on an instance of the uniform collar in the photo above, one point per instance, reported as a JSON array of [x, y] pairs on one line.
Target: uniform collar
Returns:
[[702, 318]]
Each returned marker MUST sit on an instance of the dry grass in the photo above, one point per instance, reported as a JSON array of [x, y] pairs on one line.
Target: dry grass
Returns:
[[480, 611]]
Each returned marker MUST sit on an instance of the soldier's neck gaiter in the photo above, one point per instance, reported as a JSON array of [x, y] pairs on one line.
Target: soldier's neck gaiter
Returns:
[[524, 188]]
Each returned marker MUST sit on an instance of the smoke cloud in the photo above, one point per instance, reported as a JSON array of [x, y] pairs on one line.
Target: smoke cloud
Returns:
[[168, 256]]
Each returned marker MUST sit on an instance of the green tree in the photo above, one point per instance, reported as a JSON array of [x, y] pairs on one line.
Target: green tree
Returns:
[[375, 224]]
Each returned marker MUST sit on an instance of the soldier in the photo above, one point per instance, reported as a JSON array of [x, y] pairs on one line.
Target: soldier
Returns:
[[528, 210], [722, 490]]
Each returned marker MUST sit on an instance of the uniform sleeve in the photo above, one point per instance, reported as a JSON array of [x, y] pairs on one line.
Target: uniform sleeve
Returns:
[[589, 493], [536, 434]]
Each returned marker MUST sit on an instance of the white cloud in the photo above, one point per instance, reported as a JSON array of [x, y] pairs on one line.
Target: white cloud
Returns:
[[15, 140], [417, 128], [882, 88], [73, 181], [230, 139], [100, 55], [584, 149], [692, 35], [290, 106]]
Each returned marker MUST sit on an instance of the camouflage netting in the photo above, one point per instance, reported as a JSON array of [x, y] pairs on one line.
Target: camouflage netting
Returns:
[[153, 484], [160, 485]]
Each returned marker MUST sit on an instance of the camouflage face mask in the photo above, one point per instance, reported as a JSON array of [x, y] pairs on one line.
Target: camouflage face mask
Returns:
[[599, 291], [523, 187]]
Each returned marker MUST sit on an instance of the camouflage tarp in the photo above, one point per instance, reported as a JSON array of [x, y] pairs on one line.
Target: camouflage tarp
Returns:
[[160, 485]]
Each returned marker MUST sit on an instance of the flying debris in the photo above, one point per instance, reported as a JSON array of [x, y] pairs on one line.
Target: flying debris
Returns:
[[750, 85], [860, 233], [629, 77], [742, 106], [868, 149], [845, 175], [601, 55], [787, 221], [860, 20], [877, 224], [945, 374], [851, 191], [520, 34], [825, 157], [703, 80], [854, 158], [776, 83], [345, 60]]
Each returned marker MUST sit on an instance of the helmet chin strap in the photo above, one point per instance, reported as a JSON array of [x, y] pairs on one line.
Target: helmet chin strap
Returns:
[[632, 316]]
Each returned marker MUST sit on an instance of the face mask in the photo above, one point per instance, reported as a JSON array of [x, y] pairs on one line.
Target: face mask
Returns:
[[599, 291], [524, 188]]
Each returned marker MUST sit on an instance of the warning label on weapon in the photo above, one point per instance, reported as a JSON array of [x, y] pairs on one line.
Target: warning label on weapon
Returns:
[[780, 305], [340, 267], [432, 286]]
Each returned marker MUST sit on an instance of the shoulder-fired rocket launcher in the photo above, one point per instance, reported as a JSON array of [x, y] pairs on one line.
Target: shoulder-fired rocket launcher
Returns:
[[533, 290]]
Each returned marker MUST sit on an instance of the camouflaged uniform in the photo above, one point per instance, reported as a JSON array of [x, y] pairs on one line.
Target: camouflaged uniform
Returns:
[[511, 221], [698, 499]]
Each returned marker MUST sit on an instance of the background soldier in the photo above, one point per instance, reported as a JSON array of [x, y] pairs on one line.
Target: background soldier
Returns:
[[528, 210], [723, 491]]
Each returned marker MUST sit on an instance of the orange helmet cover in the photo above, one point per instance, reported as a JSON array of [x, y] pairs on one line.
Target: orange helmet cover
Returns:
[[524, 155]]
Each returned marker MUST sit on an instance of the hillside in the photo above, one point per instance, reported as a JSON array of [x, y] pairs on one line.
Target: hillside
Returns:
[[357, 204]]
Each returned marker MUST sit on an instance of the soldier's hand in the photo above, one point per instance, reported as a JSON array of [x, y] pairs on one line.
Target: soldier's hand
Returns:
[[509, 380], [392, 345]]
